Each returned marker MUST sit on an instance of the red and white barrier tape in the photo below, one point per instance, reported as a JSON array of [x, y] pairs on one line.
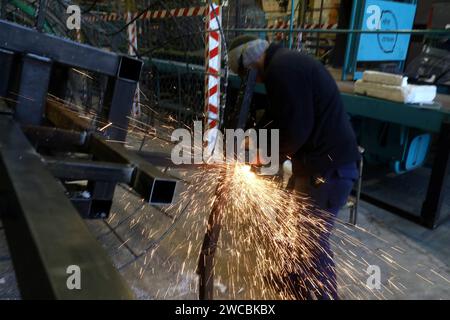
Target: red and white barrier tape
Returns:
[[158, 14], [132, 46], [212, 76], [285, 25]]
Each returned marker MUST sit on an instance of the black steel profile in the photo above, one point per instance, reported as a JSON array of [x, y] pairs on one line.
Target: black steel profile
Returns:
[[32, 93], [118, 107], [76, 169], [120, 97], [21, 39], [6, 61], [153, 185], [54, 138], [45, 233]]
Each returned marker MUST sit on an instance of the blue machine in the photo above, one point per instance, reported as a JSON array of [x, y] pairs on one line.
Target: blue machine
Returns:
[[384, 47]]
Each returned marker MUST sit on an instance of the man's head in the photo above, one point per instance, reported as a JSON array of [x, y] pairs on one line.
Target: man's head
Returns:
[[246, 52]]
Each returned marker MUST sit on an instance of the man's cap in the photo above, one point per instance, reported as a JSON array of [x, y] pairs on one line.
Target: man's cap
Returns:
[[244, 51]]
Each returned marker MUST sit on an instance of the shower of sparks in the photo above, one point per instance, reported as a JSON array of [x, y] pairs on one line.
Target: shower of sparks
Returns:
[[271, 232]]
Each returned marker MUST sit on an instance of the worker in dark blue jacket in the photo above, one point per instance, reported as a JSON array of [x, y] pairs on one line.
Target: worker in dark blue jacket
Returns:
[[315, 133]]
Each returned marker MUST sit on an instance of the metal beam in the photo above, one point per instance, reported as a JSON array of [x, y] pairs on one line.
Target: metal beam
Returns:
[[120, 97], [18, 38], [62, 117], [54, 138], [40, 14], [45, 233], [154, 186], [32, 95], [89, 170], [6, 61], [118, 107]]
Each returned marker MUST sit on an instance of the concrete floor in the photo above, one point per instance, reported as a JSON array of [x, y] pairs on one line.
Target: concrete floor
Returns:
[[414, 262]]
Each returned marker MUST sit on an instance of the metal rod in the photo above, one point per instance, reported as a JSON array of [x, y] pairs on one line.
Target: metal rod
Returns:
[[237, 13], [354, 219], [3, 9], [40, 14], [440, 32], [291, 25], [350, 40]]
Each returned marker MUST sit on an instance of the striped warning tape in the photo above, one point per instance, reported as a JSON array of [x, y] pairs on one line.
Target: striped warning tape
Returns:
[[132, 36], [212, 78], [285, 25], [132, 46], [158, 14]]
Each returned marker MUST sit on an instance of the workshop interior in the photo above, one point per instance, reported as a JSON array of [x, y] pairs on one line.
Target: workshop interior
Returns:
[[115, 119]]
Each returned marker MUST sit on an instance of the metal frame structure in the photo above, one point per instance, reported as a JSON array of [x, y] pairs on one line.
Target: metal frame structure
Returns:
[[41, 226], [41, 166]]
